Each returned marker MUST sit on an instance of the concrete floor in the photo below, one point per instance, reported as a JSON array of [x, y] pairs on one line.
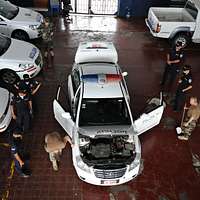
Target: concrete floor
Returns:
[[168, 173]]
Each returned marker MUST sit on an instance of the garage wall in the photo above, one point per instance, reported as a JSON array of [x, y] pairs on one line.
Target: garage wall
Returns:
[[31, 3], [139, 8]]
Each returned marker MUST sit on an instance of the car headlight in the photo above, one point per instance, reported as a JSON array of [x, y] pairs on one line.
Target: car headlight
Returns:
[[33, 27], [136, 162], [82, 165], [25, 66]]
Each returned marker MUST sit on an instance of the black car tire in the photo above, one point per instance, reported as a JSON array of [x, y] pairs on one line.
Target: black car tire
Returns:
[[185, 39], [9, 76], [20, 35]]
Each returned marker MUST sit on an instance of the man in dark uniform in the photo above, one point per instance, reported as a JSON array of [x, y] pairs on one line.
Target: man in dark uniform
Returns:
[[31, 86], [172, 68], [184, 85], [21, 108], [17, 151]]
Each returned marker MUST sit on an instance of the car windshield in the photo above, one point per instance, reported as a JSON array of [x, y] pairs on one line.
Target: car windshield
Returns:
[[191, 9], [99, 112], [8, 10], [4, 44]]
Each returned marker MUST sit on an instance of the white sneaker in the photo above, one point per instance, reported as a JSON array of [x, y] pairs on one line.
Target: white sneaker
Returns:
[[182, 138]]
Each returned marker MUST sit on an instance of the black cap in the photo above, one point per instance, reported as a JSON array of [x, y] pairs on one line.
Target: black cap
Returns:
[[187, 67], [26, 76]]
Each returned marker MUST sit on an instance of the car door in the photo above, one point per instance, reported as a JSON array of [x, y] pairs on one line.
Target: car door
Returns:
[[63, 117], [3, 26], [151, 116]]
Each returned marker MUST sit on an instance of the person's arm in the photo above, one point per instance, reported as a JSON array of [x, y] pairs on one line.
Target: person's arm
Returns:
[[175, 61], [30, 107], [21, 162], [12, 111], [189, 121], [186, 89], [68, 139], [36, 89]]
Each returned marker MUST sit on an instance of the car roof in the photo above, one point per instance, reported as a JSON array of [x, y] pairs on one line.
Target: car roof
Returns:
[[97, 89]]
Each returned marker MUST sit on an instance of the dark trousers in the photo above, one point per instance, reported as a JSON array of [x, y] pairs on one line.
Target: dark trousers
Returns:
[[169, 75], [24, 169], [24, 121], [179, 99]]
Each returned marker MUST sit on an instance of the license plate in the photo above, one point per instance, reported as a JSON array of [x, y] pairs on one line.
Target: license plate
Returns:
[[109, 182]]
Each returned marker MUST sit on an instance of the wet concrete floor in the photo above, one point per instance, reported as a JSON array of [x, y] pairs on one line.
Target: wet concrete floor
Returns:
[[168, 173]]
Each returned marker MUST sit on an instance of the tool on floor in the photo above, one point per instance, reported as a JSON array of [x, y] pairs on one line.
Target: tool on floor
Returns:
[[179, 129]]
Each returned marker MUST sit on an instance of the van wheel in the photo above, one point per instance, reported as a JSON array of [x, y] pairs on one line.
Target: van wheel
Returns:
[[183, 38], [20, 35], [9, 76]]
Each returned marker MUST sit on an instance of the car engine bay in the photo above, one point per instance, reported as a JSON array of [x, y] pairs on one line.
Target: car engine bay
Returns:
[[109, 149]]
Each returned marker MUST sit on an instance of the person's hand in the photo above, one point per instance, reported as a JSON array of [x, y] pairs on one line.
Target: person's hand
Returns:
[[72, 145], [14, 117], [168, 62], [31, 113], [21, 163], [185, 107], [185, 124]]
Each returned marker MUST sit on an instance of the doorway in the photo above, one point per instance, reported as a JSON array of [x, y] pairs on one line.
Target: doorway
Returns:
[[96, 7]]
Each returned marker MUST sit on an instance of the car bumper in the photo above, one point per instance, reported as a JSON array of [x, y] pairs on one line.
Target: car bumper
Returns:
[[92, 179], [32, 72], [150, 28], [5, 123], [33, 34]]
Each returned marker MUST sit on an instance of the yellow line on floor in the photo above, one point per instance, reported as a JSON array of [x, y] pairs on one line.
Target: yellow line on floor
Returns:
[[6, 193], [5, 144]]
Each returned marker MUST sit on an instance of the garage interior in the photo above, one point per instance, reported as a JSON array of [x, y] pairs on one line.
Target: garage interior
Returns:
[[168, 172]]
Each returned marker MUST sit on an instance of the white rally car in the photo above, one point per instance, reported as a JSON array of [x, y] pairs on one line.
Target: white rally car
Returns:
[[5, 110], [18, 58], [19, 23], [107, 149]]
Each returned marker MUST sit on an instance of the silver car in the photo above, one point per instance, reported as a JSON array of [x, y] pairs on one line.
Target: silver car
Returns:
[[19, 23], [5, 111], [18, 58], [107, 148]]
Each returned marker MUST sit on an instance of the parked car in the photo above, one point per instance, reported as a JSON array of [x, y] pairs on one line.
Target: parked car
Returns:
[[5, 110], [20, 23], [18, 58], [176, 24], [107, 149]]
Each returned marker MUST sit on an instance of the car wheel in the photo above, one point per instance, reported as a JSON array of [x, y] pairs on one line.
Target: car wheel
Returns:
[[183, 38], [9, 76], [20, 35]]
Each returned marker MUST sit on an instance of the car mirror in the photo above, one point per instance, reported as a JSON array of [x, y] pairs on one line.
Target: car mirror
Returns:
[[124, 74], [66, 115]]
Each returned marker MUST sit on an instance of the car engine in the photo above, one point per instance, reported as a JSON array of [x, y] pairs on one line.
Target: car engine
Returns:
[[104, 148]]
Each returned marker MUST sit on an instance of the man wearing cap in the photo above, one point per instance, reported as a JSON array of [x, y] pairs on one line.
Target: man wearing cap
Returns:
[[17, 151], [172, 68], [191, 119], [184, 85], [21, 108], [31, 86], [54, 144]]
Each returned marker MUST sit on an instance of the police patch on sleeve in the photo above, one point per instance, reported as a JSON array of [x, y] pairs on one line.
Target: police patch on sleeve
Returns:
[[190, 80]]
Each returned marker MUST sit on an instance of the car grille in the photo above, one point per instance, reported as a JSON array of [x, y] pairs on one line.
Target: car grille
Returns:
[[38, 59], [109, 174]]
